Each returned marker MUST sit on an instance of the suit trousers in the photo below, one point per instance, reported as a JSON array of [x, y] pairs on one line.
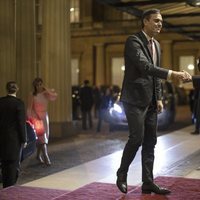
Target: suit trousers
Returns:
[[142, 122], [86, 119], [10, 172]]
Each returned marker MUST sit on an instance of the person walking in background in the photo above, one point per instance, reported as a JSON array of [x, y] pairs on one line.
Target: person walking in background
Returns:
[[196, 112], [141, 97], [106, 102], [86, 97], [97, 100], [37, 109], [13, 136]]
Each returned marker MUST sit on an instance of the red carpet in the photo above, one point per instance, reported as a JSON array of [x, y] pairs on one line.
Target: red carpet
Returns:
[[30, 193], [182, 189], [94, 191]]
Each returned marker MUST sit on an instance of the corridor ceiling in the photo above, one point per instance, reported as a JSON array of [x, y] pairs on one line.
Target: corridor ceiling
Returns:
[[179, 15]]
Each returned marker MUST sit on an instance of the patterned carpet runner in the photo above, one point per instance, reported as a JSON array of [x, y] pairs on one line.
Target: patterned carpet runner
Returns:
[[182, 189]]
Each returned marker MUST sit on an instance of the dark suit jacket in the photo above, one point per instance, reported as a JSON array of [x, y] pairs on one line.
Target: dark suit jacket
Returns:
[[86, 97], [142, 77], [12, 127]]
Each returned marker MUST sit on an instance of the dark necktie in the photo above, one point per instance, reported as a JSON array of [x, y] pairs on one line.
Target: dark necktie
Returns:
[[152, 51]]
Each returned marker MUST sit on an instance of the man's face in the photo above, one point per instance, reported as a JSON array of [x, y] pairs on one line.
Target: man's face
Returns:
[[153, 25]]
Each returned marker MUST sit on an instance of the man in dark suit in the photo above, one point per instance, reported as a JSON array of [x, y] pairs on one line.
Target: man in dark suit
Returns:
[[141, 97], [86, 97], [12, 134]]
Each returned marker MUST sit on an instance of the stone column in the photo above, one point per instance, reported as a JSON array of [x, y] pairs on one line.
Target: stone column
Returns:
[[55, 62], [86, 65], [100, 65], [86, 12], [166, 54], [7, 41], [25, 46]]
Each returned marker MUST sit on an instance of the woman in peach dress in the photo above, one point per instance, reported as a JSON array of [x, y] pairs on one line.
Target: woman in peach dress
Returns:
[[37, 108]]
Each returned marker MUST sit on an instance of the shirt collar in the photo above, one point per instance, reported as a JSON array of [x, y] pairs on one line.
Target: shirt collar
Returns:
[[13, 95]]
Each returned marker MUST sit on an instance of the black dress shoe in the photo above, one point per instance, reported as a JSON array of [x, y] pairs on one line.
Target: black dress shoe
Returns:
[[122, 183], [148, 188]]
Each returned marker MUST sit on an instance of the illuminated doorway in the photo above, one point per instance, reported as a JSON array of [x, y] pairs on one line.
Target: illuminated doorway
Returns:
[[117, 72]]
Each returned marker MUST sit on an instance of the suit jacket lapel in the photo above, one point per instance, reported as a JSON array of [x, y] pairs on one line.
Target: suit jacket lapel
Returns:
[[157, 48], [145, 44]]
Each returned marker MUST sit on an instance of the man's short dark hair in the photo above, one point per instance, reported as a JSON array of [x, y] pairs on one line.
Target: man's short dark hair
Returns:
[[146, 14], [86, 82], [11, 87]]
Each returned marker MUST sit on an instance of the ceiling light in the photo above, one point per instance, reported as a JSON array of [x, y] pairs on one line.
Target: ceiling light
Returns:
[[194, 3]]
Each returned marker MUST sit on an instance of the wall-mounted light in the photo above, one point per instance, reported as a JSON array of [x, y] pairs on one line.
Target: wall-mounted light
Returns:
[[194, 3], [190, 67], [123, 68]]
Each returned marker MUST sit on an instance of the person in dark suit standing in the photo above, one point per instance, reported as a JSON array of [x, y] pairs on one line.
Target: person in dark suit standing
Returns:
[[86, 97], [141, 97], [13, 136]]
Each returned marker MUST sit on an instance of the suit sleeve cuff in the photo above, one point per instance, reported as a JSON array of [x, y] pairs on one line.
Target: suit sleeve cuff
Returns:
[[169, 74]]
